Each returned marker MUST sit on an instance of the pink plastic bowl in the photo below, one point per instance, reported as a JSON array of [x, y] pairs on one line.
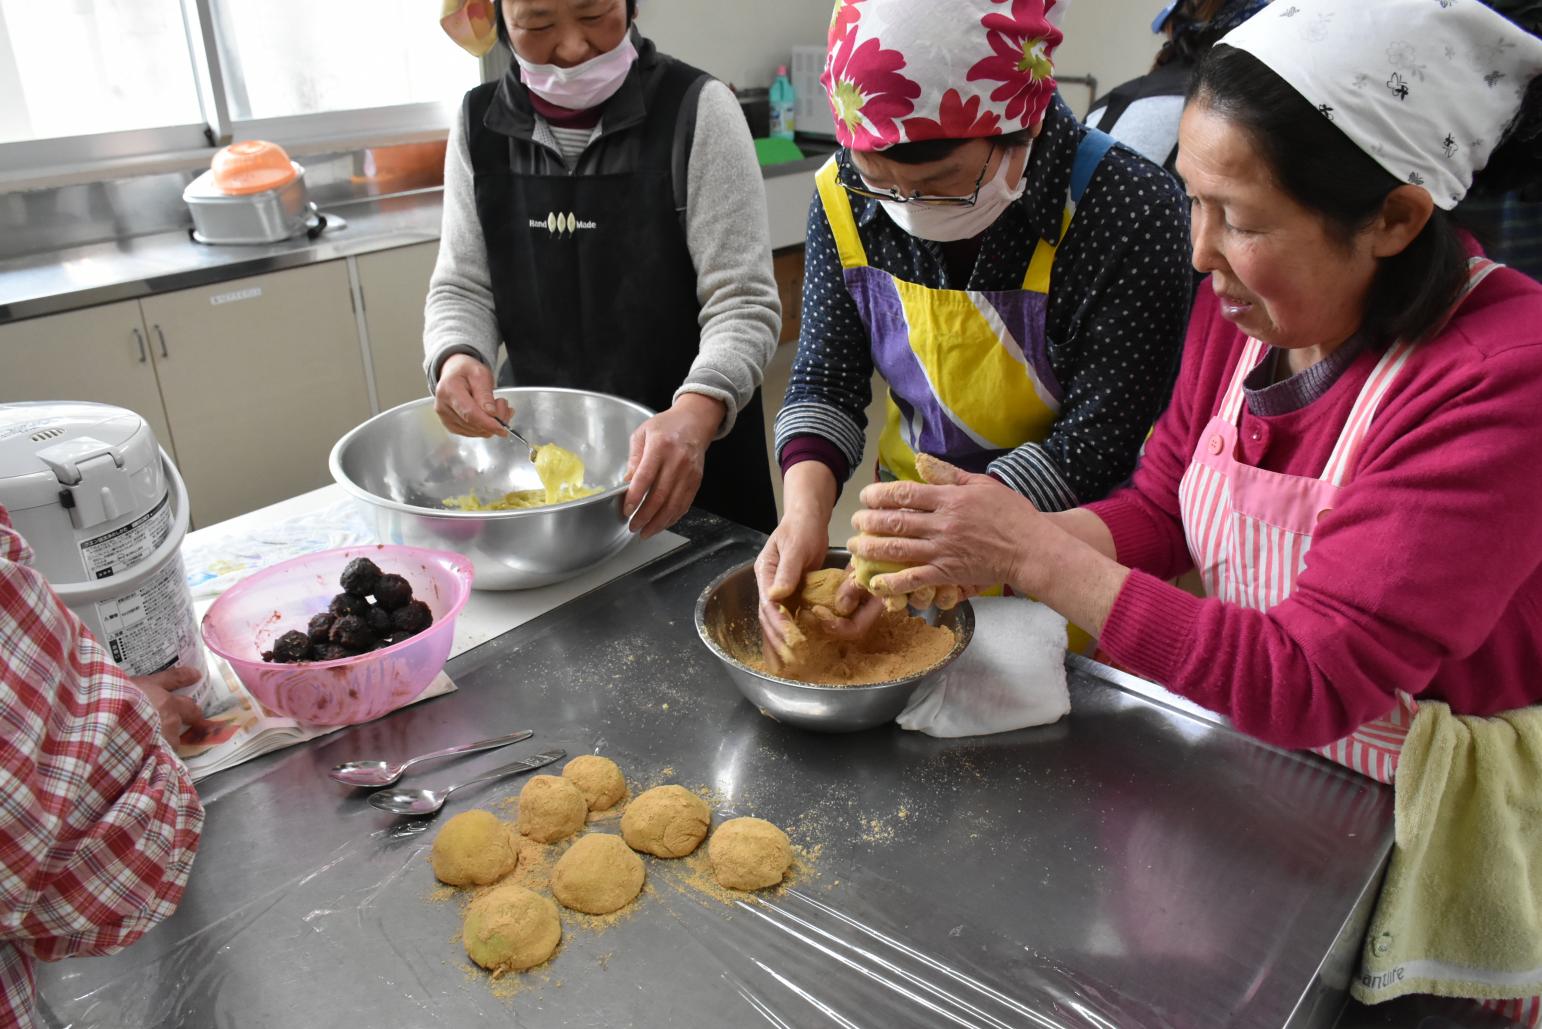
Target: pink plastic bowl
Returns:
[[246, 619]]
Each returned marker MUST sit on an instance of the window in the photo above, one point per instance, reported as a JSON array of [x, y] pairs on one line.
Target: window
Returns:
[[293, 57], [128, 67], [83, 82]]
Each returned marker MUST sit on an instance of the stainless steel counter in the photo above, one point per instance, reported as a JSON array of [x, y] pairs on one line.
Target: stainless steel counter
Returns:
[[140, 265], [1131, 866], [100, 273]]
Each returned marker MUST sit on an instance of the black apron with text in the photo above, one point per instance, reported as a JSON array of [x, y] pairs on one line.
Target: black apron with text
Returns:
[[592, 280]]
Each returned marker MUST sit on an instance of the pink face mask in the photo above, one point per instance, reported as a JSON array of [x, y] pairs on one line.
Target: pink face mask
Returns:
[[584, 85]]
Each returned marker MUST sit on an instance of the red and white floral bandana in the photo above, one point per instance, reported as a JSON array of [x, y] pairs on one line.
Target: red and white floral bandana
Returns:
[[902, 71]]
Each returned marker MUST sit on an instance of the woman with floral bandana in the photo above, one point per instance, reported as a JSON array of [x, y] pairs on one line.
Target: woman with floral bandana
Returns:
[[1020, 282]]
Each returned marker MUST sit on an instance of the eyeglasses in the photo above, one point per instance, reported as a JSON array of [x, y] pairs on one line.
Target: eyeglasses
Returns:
[[855, 184]]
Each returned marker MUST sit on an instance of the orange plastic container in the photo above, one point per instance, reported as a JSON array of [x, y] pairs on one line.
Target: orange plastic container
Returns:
[[252, 166]]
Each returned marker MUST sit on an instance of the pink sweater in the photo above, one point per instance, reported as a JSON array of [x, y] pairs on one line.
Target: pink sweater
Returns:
[[1427, 576]]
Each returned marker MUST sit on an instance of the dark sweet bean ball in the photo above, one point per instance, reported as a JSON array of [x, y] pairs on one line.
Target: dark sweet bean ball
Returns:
[[412, 617], [348, 604], [320, 627], [393, 639], [392, 591], [329, 652], [378, 620], [351, 631], [292, 646], [359, 577]]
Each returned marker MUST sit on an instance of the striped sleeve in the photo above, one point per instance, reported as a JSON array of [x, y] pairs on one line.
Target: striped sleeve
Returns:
[[1032, 472]]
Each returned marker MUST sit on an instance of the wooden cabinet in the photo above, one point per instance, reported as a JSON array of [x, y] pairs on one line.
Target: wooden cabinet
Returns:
[[393, 285], [787, 265], [246, 383], [101, 354], [260, 376]]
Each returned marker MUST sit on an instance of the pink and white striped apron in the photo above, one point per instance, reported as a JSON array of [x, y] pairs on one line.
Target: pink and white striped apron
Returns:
[[1249, 529]]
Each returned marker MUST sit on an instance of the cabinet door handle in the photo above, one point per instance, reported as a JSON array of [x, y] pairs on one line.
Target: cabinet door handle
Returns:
[[162, 337], [139, 340]]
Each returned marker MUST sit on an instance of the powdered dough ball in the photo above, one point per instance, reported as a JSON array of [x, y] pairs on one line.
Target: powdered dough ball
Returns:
[[509, 928], [749, 854], [550, 808], [598, 779], [666, 821], [599, 874], [473, 849]]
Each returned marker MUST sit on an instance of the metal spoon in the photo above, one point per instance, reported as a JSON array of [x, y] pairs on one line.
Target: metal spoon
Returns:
[[426, 802], [378, 773], [510, 430]]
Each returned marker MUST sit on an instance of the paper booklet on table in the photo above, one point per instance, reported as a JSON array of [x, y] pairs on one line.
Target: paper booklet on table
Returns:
[[244, 729]]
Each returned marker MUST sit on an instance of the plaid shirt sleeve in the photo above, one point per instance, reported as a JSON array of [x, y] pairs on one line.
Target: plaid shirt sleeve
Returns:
[[98, 818]]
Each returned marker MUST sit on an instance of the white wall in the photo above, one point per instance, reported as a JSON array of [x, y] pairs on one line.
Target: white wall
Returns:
[[742, 41], [1110, 39], [739, 41]]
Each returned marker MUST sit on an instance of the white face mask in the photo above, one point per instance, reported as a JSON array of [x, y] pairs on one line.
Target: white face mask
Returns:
[[944, 224], [584, 85]]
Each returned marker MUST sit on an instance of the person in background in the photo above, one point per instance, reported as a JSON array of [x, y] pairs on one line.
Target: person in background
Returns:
[[99, 821], [1143, 113], [1020, 282], [605, 222], [1347, 461]]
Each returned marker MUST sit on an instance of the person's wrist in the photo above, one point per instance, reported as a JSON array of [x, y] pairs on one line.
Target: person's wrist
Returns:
[[706, 414], [457, 363]]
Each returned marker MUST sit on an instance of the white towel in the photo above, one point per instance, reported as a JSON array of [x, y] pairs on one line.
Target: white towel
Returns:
[[1011, 676]]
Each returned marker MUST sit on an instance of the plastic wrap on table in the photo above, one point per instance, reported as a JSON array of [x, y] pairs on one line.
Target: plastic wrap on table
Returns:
[[1129, 866]]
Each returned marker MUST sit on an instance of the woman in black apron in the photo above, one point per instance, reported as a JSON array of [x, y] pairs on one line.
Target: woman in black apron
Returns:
[[571, 235]]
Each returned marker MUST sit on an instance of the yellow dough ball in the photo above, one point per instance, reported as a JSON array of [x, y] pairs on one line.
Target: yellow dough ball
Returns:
[[509, 928], [598, 779], [749, 854], [473, 849], [865, 570], [599, 874], [550, 808], [666, 821]]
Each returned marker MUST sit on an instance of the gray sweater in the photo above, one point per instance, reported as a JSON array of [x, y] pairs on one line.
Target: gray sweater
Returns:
[[726, 232]]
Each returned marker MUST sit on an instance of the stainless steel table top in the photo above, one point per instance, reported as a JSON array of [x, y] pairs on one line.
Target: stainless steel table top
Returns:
[[100, 273], [1130, 866]]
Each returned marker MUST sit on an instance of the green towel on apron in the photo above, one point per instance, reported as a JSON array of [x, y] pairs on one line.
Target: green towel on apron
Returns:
[[1460, 912]]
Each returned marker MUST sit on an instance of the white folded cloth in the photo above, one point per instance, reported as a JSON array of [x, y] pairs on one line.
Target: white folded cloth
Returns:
[[1011, 676]]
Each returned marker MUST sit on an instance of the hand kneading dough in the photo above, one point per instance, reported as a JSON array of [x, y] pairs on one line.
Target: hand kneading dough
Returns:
[[598, 779], [509, 928], [666, 821], [749, 854], [473, 849], [551, 807], [599, 874]]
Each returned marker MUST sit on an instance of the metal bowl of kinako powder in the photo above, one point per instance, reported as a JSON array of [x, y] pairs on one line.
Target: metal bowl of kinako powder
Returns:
[[728, 623]]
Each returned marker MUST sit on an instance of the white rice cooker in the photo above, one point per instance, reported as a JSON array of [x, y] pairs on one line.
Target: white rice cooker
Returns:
[[105, 511]]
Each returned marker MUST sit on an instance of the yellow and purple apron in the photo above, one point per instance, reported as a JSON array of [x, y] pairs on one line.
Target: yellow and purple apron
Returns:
[[968, 371]]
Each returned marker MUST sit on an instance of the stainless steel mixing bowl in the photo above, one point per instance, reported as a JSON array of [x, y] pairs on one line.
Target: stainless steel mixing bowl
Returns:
[[727, 622], [404, 464]]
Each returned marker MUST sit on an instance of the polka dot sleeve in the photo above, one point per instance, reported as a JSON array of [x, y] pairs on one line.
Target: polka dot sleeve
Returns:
[[831, 381]]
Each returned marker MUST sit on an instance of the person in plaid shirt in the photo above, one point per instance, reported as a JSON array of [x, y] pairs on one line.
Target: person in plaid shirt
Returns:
[[98, 819]]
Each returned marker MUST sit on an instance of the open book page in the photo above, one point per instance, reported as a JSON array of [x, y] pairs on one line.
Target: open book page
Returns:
[[239, 728]]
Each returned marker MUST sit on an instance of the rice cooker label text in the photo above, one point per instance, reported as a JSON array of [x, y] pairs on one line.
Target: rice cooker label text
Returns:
[[153, 627], [115, 552]]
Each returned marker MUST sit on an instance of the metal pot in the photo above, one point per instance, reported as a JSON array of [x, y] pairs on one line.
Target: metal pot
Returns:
[[268, 216]]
